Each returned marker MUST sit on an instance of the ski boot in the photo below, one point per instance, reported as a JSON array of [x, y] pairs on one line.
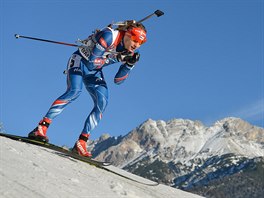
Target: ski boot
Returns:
[[39, 133], [80, 146]]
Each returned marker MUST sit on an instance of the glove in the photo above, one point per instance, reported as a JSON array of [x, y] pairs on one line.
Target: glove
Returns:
[[123, 56], [128, 57]]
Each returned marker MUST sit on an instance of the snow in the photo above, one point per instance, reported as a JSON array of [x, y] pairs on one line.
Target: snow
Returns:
[[219, 145], [31, 171], [196, 140]]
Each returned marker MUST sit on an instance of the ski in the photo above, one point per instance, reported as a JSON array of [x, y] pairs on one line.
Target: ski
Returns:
[[68, 153], [65, 152], [111, 170]]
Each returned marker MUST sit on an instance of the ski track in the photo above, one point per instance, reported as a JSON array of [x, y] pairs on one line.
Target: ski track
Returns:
[[30, 171]]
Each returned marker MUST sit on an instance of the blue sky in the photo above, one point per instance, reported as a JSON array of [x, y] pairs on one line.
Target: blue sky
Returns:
[[203, 61]]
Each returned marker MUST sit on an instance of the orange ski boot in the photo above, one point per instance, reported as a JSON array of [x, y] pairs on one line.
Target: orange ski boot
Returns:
[[80, 146], [39, 133]]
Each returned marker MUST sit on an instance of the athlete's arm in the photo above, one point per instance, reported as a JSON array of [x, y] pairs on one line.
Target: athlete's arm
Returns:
[[125, 68], [103, 41]]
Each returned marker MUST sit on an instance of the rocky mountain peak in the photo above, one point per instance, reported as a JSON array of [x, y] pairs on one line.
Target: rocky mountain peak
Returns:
[[179, 152], [241, 128], [183, 140]]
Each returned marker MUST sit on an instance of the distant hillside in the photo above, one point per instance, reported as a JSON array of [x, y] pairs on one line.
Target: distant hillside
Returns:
[[187, 154], [250, 183]]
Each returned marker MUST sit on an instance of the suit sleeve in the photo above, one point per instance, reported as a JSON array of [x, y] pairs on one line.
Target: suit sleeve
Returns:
[[103, 40], [122, 73]]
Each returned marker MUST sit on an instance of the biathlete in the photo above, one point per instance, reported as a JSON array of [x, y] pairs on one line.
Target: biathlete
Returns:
[[85, 66]]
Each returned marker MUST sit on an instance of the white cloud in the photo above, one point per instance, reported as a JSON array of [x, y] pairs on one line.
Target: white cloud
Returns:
[[254, 111]]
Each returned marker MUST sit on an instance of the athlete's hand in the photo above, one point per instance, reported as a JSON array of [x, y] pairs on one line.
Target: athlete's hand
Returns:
[[131, 60], [128, 57], [123, 56]]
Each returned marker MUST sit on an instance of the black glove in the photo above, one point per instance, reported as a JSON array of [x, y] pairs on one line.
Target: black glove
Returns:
[[128, 57]]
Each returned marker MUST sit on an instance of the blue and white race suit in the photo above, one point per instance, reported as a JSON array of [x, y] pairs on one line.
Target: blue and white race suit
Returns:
[[85, 67]]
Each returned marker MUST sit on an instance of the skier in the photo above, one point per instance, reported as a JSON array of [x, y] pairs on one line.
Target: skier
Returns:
[[102, 48]]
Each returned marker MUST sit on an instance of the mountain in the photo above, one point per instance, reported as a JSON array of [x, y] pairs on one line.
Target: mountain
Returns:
[[188, 155], [27, 170]]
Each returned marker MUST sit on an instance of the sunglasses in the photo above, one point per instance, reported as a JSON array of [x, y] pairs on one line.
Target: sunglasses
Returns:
[[137, 35]]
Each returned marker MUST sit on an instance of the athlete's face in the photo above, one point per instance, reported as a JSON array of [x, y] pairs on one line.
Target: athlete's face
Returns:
[[130, 44]]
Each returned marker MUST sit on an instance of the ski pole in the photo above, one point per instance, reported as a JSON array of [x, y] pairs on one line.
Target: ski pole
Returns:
[[158, 13], [45, 40]]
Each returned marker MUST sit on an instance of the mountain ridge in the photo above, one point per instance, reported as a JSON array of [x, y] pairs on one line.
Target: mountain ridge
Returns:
[[185, 153], [225, 136]]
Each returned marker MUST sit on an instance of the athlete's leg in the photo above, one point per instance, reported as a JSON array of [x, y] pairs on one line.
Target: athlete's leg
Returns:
[[73, 91], [97, 88], [74, 87]]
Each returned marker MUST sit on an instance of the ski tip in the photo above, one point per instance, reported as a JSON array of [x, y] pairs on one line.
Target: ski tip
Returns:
[[107, 163]]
